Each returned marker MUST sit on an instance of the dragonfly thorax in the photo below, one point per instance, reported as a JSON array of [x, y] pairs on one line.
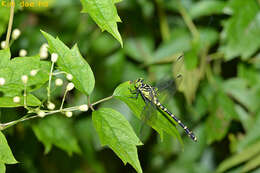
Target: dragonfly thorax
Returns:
[[138, 82]]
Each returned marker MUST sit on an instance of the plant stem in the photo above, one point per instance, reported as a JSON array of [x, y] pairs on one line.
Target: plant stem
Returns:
[[102, 100], [188, 21], [90, 105], [48, 112], [164, 27], [63, 99], [10, 24], [25, 118], [49, 85]]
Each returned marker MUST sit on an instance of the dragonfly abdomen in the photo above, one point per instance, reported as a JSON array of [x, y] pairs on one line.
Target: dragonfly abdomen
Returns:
[[186, 129]]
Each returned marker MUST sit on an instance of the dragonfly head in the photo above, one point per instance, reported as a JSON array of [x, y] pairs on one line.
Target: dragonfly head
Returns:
[[138, 82]]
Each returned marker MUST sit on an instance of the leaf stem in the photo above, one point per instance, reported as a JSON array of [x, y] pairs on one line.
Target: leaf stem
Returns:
[[102, 100], [90, 105], [10, 24], [63, 99]]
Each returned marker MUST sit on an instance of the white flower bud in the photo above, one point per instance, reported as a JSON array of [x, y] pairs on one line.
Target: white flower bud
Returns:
[[33, 72], [69, 76], [51, 106], [3, 44], [2, 81], [70, 86], [58, 82], [83, 107], [41, 114], [16, 33], [68, 114], [16, 99], [43, 54], [44, 47], [54, 57], [24, 79], [22, 52]]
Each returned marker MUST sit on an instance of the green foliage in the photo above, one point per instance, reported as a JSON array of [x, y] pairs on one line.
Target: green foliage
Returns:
[[218, 97], [13, 70], [73, 63], [246, 25], [115, 131], [55, 130], [159, 123], [6, 156], [105, 15]]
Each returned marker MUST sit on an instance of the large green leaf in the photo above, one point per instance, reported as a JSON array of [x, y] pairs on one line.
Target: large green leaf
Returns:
[[104, 13], [56, 130], [239, 158], [139, 48], [6, 156], [161, 124], [242, 30], [251, 136], [238, 89], [221, 113], [115, 131], [12, 71], [207, 8], [71, 61], [2, 168], [5, 56]]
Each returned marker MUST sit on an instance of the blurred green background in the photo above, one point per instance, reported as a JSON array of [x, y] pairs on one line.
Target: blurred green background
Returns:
[[218, 98]]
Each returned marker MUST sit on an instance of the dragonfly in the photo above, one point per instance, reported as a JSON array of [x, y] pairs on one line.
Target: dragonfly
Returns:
[[150, 94]]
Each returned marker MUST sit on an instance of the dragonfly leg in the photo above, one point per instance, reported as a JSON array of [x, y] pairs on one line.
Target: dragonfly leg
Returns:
[[134, 92]]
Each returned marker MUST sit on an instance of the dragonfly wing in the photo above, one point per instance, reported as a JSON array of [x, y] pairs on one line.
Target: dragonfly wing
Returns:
[[148, 116]]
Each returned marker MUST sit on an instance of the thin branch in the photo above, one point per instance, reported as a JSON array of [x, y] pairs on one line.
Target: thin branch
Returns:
[[102, 100], [49, 84], [189, 22], [10, 24], [90, 105]]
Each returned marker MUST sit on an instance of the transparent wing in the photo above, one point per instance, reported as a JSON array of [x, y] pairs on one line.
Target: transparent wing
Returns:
[[148, 116], [168, 87]]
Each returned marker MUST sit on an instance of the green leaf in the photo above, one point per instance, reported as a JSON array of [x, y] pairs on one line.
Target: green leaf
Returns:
[[222, 112], [241, 157], [104, 13], [241, 31], [162, 123], [252, 164], [238, 88], [6, 155], [189, 82], [56, 130], [8, 101], [139, 48], [3, 17], [251, 136], [2, 168], [71, 61], [206, 8], [115, 131], [5, 56], [13, 70], [179, 42]]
